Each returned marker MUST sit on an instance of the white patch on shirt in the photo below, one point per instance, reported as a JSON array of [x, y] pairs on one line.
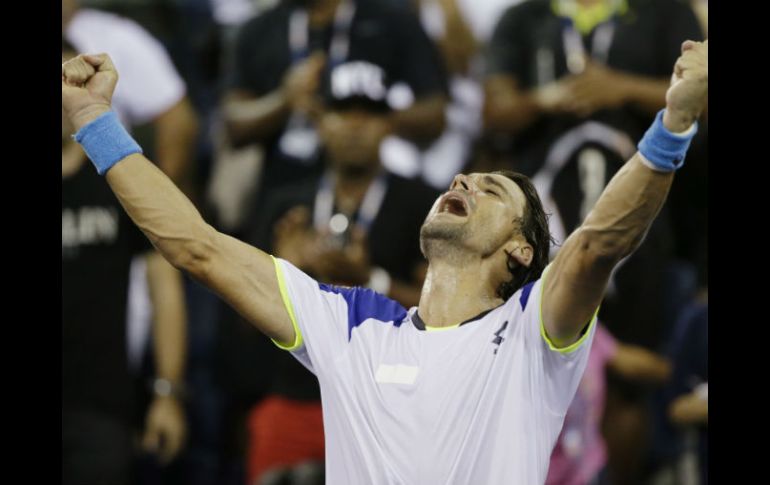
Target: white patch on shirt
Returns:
[[396, 374]]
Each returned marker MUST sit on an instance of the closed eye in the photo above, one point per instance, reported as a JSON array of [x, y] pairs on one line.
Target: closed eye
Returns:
[[492, 192]]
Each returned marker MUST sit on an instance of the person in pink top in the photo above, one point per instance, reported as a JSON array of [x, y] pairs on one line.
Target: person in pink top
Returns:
[[580, 454]]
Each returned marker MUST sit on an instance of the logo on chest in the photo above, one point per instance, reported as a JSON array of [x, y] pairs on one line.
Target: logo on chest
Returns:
[[498, 338]]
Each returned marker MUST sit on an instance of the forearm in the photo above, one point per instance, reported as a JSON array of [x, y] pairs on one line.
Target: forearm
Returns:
[[689, 409], [458, 45], [612, 230], [508, 109], [176, 136], [624, 211], [638, 363], [249, 119], [628, 205], [631, 201], [162, 212], [169, 318], [242, 275], [423, 121]]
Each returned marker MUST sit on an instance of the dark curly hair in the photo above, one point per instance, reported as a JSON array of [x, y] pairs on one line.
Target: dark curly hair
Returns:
[[534, 227]]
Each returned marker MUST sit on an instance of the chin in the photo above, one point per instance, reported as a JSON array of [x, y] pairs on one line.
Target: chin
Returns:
[[443, 227]]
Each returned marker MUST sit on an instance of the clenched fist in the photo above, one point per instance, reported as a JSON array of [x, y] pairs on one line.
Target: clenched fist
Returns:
[[688, 94], [87, 84]]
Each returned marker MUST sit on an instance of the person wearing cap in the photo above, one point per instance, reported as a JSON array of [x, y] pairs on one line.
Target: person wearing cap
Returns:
[[472, 384], [278, 60]]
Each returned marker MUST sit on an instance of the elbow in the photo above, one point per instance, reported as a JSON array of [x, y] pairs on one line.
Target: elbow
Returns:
[[194, 255]]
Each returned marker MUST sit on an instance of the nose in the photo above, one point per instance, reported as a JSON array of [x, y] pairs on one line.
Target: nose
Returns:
[[461, 182]]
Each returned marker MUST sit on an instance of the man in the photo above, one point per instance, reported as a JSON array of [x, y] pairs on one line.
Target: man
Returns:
[[279, 58], [481, 400], [99, 402], [355, 224], [680, 454]]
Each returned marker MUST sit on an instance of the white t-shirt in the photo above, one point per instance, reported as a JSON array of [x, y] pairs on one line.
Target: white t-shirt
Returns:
[[480, 403], [149, 84]]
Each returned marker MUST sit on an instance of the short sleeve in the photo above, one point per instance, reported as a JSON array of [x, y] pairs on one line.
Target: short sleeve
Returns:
[[325, 317], [558, 370]]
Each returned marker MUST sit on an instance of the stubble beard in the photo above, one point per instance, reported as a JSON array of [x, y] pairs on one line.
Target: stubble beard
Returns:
[[442, 241]]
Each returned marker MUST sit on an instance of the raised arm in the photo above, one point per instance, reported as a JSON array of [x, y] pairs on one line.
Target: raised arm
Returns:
[[242, 275], [575, 284]]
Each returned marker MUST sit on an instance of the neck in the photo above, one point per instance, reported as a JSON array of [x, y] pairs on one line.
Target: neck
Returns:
[[350, 187], [452, 294], [322, 12]]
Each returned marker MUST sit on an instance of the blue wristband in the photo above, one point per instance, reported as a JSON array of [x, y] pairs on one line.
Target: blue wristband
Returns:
[[106, 142], [664, 150]]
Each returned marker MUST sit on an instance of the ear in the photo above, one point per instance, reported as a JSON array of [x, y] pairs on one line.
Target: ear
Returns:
[[520, 250]]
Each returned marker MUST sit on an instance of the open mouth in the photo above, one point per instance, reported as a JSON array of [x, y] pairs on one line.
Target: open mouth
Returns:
[[454, 204]]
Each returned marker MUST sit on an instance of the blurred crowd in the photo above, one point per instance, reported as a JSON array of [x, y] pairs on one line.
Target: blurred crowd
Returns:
[[322, 131]]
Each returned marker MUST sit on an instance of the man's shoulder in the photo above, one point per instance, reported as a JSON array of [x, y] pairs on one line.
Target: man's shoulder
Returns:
[[366, 304]]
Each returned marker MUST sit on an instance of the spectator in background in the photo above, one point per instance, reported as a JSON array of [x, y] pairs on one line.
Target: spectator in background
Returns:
[[580, 454], [99, 403], [570, 85], [354, 224], [151, 91], [278, 60], [153, 95], [459, 28], [439, 161], [681, 452]]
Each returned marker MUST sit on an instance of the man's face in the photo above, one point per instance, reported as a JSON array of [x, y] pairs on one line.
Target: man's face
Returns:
[[480, 213], [352, 137]]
